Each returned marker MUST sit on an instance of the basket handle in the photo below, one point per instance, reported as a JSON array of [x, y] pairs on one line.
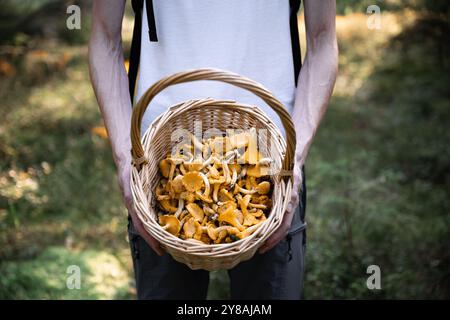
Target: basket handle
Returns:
[[137, 150]]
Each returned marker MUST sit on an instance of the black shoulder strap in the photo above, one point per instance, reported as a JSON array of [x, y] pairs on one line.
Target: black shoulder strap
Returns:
[[295, 39], [135, 51]]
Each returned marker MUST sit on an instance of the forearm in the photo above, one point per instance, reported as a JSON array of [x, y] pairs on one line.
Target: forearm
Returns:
[[317, 78], [110, 83], [315, 86]]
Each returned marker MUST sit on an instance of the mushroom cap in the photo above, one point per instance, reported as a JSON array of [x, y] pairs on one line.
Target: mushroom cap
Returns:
[[195, 210], [230, 217], [250, 220], [263, 187], [192, 181], [195, 165], [228, 206], [177, 184], [258, 170], [169, 205], [170, 223], [188, 196], [164, 167], [191, 227]]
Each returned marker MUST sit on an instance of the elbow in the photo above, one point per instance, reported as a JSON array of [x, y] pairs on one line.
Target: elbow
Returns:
[[322, 46]]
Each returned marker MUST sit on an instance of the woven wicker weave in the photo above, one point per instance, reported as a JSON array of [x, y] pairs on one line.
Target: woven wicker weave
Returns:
[[223, 115]]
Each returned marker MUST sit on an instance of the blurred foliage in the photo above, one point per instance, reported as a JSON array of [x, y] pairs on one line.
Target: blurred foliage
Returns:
[[378, 185], [30, 20], [101, 277]]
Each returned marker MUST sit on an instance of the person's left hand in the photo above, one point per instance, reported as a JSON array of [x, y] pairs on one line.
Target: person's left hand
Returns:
[[283, 230]]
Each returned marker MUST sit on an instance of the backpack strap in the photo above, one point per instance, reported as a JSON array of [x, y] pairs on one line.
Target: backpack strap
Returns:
[[295, 39], [135, 51], [151, 21]]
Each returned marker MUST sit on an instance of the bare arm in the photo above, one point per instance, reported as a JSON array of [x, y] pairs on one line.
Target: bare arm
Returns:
[[318, 73], [314, 89], [110, 83], [108, 76]]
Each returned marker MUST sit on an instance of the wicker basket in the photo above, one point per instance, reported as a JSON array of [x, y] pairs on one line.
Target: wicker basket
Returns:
[[221, 114]]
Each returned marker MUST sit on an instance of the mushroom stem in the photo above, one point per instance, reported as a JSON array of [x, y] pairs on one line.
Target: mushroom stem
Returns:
[[180, 208], [245, 191], [257, 206], [216, 191], [248, 231], [206, 182], [233, 177], [226, 172]]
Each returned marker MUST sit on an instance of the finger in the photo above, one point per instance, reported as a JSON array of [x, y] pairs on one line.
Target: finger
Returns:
[[272, 241], [292, 205], [269, 244]]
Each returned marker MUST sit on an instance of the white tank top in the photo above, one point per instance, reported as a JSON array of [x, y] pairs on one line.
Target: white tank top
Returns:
[[248, 37]]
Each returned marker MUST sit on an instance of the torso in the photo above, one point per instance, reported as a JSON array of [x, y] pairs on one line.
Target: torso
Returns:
[[250, 37]]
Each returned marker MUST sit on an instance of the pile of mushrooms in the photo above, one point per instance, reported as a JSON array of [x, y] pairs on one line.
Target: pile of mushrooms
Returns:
[[214, 191]]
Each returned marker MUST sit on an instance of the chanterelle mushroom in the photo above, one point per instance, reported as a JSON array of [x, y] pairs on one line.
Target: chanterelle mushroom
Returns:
[[263, 187], [170, 223], [168, 206], [258, 170], [192, 228], [228, 215], [192, 181], [195, 210]]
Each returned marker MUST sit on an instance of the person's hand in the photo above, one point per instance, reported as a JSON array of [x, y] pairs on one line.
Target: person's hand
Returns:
[[283, 230], [124, 181]]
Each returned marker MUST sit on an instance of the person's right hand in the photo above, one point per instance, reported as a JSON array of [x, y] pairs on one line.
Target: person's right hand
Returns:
[[124, 182]]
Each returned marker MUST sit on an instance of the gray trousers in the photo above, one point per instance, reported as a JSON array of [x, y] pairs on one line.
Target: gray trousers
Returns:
[[277, 274]]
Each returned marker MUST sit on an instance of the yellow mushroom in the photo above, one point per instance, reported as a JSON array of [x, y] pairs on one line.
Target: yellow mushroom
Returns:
[[248, 231], [194, 165], [257, 205], [225, 195], [226, 172], [214, 232], [258, 171], [263, 187], [243, 203], [192, 228], [188, 196], [207, 210], [177, 184], [250, 220], [168, 206], [228, 215], [180, 208], [170, 223], [213, 172], [195, 210], [192, 181], [238, 188], [200, 196], [206, 183], [164, 167]]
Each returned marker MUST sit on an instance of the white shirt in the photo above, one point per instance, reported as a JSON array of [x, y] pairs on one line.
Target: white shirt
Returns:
[[248, 37]]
